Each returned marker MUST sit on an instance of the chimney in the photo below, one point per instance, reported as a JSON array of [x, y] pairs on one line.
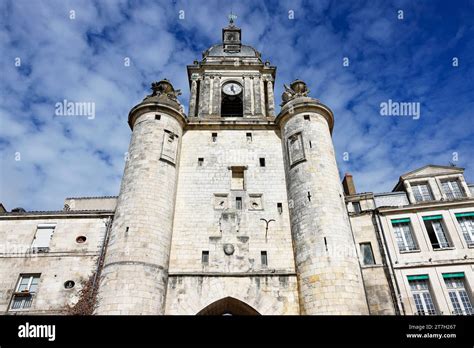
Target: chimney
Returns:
[[348, 185]]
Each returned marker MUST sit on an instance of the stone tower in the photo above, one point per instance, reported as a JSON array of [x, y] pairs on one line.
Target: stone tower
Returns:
[[329, 276], [135, 272]]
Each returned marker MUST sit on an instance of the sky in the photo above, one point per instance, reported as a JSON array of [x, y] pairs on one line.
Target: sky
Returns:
[[353, 55]]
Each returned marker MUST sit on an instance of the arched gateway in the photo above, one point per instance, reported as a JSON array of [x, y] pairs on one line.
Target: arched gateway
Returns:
[[228, 306]]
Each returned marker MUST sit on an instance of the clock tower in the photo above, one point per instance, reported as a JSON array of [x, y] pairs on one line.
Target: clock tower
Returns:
[[231, 81]]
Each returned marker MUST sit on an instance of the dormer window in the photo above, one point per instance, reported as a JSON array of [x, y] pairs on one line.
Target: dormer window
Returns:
[[452, 189], [422, 192]]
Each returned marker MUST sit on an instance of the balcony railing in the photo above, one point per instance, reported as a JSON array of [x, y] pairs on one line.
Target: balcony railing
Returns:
[[430, 312], [463, 312]]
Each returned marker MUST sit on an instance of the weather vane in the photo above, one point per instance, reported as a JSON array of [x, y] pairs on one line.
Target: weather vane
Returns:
[[232, 17]]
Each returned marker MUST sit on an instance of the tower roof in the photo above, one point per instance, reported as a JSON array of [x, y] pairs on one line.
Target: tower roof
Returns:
[[231, 45]]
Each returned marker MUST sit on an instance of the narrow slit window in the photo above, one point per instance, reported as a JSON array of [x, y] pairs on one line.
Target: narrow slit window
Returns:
[[238, 203], [249, 137], [280, 208], [157, 117], [200, 161], [264, 258], [307, 118], [214, 137], [262, 162]]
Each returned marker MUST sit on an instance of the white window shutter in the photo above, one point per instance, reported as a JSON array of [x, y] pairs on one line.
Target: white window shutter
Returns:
[[43, 236]]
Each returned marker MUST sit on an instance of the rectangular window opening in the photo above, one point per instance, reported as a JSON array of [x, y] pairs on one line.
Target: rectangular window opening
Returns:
[[158, 117], [249, 137], [262, 162], [307, 117], [43, 235], [404, 235], [459, 297], [367, 254], [280, 208], [436, 233], [466, 222], [214, 137], [200, 161], [25, 291], [452, 189], [356, 206], [422, 192], [422, 296], [237, 178], [238, 203], [205, 257], [264, 258]]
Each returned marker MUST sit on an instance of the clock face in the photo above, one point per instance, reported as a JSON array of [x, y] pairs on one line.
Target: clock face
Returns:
[[232, 88]]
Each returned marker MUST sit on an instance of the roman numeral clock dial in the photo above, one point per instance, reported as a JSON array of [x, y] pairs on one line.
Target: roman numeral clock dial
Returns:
[[232, 89]]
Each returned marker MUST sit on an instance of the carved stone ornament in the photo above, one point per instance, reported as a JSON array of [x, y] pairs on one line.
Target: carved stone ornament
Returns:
[[297, 89], [163, 90], [228, 249]]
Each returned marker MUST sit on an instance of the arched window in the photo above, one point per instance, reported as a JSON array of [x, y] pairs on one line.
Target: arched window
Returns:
[[228, 306]]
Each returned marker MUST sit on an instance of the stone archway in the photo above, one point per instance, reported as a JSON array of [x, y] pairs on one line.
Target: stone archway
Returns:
[[228, 306]]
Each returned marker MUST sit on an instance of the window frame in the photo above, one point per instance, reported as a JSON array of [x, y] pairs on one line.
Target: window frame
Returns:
[[397, 229], [422, 297], [458, 296], [466, 225], [451, 195], [365, 244], [25, 296], [418, 192], [444, 230]]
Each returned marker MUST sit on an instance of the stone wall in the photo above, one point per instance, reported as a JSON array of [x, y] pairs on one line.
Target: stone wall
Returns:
[[135, 273], [328, 269], [66, 259], [207, 219]]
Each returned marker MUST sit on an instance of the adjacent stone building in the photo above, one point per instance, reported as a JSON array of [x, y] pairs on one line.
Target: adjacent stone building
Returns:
[[234, 209]]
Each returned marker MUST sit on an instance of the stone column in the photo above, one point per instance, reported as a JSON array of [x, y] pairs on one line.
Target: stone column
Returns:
[[271, 101]]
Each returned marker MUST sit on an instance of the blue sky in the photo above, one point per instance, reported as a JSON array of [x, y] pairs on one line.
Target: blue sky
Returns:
[[45, 158]]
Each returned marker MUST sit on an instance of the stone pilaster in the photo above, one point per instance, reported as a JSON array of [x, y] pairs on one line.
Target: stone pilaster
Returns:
[[247, 96], [257, 98], [192, 98], [216, 98], [204, 97], [271, 99]]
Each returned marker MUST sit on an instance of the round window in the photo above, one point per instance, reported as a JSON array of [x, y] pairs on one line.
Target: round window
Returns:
[[69, 284], [81, 239]]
